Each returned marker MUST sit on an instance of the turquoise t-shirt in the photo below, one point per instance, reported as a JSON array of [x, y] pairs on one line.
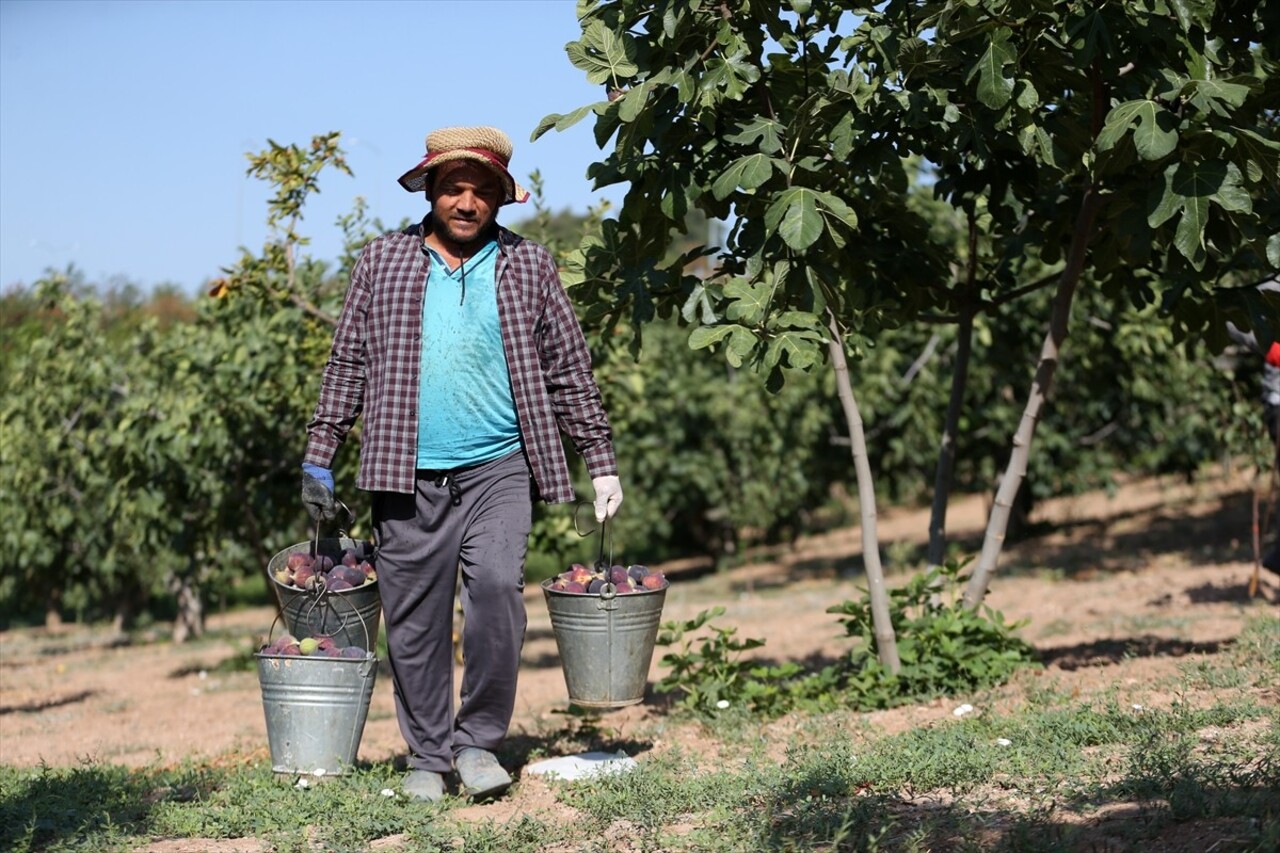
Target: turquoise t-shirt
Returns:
[[466, 414]]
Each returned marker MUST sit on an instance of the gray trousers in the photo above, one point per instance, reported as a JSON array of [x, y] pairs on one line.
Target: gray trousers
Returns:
[[477, 520]]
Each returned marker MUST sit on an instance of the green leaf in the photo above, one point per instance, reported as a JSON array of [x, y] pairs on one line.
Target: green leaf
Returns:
[[842, 138], [1156, 135], [748, 300], [837, 207], [797, 320], [562, 122], [760, 132], [795, 218], [633, 102], [1260, 154], [1210, 95], [1188, 190], [995, 87], [802, 349], [739, 345], [604, 55], [748, 172], [698, 306]]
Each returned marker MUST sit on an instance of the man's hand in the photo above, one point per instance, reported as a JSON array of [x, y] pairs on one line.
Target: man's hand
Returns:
[[608, 496], [317, 493]]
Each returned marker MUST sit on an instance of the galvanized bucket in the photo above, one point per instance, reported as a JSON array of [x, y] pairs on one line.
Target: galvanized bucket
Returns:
[[351, 616], [316, 709], [606, 642]]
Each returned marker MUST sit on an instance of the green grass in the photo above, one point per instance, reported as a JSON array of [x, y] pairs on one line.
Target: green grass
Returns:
[[1052, 773]]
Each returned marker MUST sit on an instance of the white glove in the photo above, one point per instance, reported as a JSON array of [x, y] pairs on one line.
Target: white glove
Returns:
[[608, 496]]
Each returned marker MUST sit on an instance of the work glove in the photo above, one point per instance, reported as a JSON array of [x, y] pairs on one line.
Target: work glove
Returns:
[[608, 496], [317, 493]]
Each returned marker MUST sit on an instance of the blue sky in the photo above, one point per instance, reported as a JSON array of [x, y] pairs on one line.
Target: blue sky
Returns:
[[124, 125]]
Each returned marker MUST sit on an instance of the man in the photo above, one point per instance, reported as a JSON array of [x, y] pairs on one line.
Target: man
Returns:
[[462, 352]]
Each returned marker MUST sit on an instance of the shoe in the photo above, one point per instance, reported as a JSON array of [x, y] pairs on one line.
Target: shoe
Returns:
[[423, 785], [480, 775], [1272, 560]]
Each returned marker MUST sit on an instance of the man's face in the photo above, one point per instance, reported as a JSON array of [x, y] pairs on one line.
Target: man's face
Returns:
[[465, 197]]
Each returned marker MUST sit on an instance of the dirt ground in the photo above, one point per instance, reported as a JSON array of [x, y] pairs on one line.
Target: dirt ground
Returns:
[[1122, 590]]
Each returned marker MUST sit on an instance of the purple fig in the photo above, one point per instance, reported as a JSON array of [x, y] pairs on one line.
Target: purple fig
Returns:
[[654, 580], [302, 576], [350, 574]]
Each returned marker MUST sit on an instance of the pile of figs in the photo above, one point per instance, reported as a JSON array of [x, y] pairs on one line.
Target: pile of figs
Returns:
[[353, 568], [592, 581], [319, 646]]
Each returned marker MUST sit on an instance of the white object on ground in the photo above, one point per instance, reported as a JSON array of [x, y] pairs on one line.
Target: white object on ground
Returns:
[[582, 765]]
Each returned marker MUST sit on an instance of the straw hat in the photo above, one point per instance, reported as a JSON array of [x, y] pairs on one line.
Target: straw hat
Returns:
[[486, 145]]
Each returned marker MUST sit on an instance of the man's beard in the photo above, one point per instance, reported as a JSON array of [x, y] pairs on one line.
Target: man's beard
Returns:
[[480, 238]]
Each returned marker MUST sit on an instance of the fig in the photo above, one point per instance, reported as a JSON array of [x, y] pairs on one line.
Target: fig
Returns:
[[350, 574], [654, 580], [302, 577]]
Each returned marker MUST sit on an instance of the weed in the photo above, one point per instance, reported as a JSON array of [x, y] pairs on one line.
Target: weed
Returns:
[[944, 648]]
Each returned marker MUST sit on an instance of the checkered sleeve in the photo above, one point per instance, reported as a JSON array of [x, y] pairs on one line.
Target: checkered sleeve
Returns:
[[571, 385], [342, 384]]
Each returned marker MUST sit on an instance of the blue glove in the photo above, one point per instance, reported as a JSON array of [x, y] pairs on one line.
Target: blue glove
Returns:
[[317, 492]]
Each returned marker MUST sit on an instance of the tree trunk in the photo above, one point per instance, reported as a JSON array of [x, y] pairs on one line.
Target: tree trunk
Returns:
[[886, 641], [53, 610], [189, 622], [1015, 472], [947, 447]]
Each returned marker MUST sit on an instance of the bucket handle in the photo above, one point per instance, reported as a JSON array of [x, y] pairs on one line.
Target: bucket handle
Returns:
[[320, 600], [371, 659], [342, 532], [584, 529]]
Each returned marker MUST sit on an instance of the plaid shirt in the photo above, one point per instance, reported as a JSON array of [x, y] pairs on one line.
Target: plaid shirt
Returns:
[[373, 367]]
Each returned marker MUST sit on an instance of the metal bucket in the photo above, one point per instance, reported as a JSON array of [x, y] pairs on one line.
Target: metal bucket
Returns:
[[351, 616], [606, 643], [316, 708]]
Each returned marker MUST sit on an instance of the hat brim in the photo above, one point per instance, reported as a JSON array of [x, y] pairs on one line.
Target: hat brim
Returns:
[[415, 180]]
